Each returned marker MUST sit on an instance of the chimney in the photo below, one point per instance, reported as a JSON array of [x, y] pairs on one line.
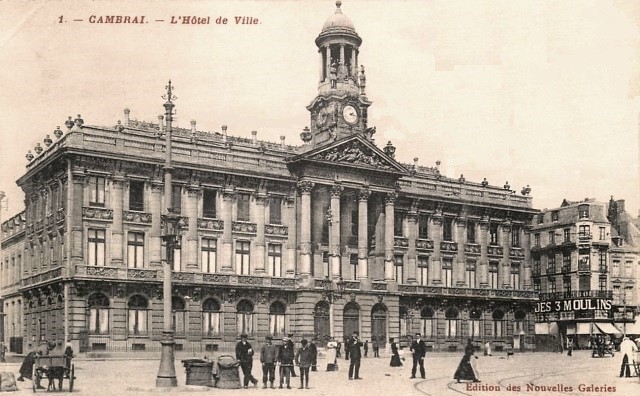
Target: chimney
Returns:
[[126, 116], [254, 137], [282, 141], [193, 126], [224, 133]]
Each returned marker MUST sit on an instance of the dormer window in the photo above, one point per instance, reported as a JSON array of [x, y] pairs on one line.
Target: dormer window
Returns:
[[554, 215], [583, 211]]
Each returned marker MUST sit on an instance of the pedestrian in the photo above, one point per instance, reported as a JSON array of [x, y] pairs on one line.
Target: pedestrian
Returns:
[[569, 346], [3, 352], [347, 340], [244, 355], [314, 355], [291, 344], [354, 356], [285, 358], [304, 359], [338, 348], [466, 369], [374, 345], [68, 354], [268, 355], [395, 356], [26, 369], [331, 357], [366, 347], [627, 349], [418, 349], [487, 348]]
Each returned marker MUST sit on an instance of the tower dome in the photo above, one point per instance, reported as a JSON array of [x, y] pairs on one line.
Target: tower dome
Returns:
[[338, 21]]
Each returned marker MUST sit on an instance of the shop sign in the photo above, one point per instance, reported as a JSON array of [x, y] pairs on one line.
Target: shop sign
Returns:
[[574, 304]]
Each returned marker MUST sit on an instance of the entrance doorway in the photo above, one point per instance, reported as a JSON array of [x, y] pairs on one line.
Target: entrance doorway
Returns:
[[321, 323], [351, 319], [379, 324]]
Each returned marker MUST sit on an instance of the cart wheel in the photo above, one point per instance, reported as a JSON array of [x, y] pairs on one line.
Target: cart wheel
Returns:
[[72, 376]]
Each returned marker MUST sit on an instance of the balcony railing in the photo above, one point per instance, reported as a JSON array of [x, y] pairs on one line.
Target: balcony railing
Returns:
[[467, 292], [448, 246], [400, 242], [577, 294], [424, 244]]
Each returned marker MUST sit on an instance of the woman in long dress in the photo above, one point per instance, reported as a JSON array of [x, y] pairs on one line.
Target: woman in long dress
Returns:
[[395, 356], [331, 355], [466, 369]]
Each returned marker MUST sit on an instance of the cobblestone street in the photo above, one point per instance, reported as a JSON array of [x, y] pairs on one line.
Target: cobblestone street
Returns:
[[526, 374]]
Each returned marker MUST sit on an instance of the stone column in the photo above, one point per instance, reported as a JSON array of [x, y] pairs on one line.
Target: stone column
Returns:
[[460, 258], [305, 188], [193, 192], [334, 230], [435, 264], [327, 66], [526, 266], [341, 54], [483, 263], [505, 231], [412, 235], [321, 65], [77, 192], [228, 199], [292, 233], [354, 64], [117, 234], [259, 214], [363, 245], [389, 216], [155, 234]]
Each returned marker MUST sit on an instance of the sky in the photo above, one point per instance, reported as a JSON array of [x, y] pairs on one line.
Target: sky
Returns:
[[539, 93]]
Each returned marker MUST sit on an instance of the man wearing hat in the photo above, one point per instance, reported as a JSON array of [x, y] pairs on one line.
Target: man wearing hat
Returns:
[[355, 354], [244, 355], [285, 358], [268, 355]]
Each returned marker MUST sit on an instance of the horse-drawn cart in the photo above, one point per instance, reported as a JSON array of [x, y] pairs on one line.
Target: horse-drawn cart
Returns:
[[55, 368]]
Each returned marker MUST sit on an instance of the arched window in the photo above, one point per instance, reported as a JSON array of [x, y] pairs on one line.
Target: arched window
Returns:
[[210, 317], [244, 317], [475, 314], [451, 323], [277, 321], [179, 313], [498, 323], [428, 322], [98, 305], [138, 315]]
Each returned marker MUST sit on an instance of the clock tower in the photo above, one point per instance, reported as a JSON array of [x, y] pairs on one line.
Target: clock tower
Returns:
[[340, 108]]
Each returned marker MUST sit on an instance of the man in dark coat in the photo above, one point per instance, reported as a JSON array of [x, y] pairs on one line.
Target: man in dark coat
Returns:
[[314, 355], [418, 349], [355, 355], [285, 358], [292, 345], [374, 345], [366, 348], [244, 355]]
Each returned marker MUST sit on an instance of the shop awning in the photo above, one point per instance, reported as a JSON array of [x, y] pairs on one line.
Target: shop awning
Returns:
[[542, 328], [585, 328], [608, 328], [631, 328], [571, 328]]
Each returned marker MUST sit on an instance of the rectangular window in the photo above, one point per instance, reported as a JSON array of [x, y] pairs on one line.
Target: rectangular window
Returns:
[[275, 210], [211, 323], [176, 198], [428, 327], [584, 282], [277, 324], [135, 249], [471, 274], [398, 219], [540, 218], [179, 322], [498, 328], [602, 283], [136, 195], [602, 260], [96, 246], [584, 231], [493, 234], [398, 267], [243, 201], [177, 256], [514, 277], [552, 285], [515, 236], [536, 266], [209, 203], [615, 268], [423, 226], [552, 238], [554, 215], [423, 270], [628, 268], [208, 251], [603, 233], [471, 232], [447, 229], [451, 328], [275, 259], [242, 257], [98, 320], [96, 190], [447, 273], [536, 285], [325, 264], [566, 286], [137, 322], [566, 262], [551, 264], [353, 266], [244, 322], [566, 235], [583, 211], [493, 275], [536, 240]]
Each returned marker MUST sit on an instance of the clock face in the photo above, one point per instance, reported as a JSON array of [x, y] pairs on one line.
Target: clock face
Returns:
[[350, 114]]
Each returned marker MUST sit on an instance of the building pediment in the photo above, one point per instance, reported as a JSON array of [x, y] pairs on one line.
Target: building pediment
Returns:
[[353, 151]]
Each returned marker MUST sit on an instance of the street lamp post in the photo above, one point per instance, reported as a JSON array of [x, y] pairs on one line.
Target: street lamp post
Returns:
[[167, 372], [332, 292]]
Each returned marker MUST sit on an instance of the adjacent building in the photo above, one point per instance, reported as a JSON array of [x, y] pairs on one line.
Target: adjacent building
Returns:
[[585, 266], [320, 239]]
